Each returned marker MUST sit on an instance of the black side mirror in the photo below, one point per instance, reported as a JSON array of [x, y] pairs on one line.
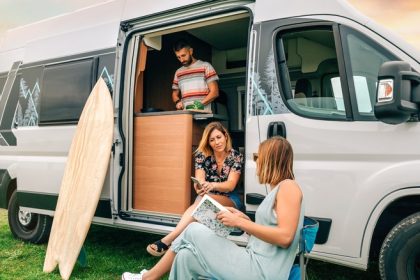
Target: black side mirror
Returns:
[[398, 93]]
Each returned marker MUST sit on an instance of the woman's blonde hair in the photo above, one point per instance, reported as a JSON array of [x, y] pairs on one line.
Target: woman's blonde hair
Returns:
[[275, 161], [204, 145]]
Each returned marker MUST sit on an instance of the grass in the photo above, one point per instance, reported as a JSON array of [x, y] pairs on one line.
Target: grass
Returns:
[[113, 251]]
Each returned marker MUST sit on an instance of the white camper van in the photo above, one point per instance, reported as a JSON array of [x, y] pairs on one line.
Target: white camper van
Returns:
[[342, 90]]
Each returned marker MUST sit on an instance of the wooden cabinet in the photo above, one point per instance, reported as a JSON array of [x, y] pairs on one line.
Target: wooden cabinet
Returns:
[[163, 162]]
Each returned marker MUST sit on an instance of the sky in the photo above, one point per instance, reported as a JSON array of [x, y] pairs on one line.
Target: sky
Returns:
[[401, 16]]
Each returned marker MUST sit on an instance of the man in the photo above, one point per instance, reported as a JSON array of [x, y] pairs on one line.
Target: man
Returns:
[[196, 80]]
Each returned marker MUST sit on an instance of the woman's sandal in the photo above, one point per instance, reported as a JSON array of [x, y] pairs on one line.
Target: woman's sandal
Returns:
[[158, 250]]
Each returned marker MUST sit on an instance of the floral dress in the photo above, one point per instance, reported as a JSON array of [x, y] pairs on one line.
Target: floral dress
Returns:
[[233, 162]]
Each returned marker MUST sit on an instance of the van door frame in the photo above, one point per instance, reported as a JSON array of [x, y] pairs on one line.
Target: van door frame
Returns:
[[127, 31]]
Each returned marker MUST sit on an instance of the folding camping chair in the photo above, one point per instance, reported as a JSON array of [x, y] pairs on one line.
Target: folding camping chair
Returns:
[[306, 243]]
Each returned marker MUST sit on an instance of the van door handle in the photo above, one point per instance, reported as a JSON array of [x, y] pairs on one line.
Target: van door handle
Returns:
[[276, 129]]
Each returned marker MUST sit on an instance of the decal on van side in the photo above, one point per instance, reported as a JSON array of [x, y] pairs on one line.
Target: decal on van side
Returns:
[[108, 78], [266, 99], [26, 113]]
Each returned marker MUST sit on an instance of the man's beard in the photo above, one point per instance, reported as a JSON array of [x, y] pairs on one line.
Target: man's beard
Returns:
[[188, 63]]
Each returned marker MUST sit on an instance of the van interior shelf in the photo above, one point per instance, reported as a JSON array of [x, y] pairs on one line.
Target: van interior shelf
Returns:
[[196, 115]]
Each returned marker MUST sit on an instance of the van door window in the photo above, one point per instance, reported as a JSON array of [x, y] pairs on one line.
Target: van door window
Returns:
[[365, 58], [309, 72]]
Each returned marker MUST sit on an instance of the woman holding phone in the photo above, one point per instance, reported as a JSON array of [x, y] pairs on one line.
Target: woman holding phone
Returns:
[[218, 169]]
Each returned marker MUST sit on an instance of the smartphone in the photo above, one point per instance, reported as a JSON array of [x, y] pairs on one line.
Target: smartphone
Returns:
[[195, 180]]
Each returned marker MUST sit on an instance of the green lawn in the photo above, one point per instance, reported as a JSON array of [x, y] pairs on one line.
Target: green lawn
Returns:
[[113, 251]]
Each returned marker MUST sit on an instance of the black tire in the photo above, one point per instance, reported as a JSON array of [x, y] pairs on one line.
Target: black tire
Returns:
[[399, 258], [30, 227]]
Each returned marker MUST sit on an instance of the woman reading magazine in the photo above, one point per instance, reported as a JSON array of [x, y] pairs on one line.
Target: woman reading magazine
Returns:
[[218, 168], [271, 249]]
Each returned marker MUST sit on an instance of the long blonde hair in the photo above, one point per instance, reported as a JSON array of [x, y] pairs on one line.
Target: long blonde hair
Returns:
[[204, 145], [275, 161]]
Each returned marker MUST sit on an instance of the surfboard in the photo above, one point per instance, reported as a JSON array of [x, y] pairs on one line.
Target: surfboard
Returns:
[[82, 182]]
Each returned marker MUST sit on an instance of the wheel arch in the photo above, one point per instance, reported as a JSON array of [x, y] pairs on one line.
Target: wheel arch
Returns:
[[7, 186], [392, 209]]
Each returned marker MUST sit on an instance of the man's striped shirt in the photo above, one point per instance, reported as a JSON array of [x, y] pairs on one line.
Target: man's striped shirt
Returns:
[[193, 81]]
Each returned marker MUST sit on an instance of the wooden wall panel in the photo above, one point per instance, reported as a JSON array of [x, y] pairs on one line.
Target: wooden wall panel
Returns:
[[162, 163]]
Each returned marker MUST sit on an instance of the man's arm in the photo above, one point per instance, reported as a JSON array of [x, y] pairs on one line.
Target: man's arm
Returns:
[[213, 93], [177, 99]]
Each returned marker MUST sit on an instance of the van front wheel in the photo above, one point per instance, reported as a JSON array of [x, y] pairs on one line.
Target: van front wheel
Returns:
[[27, 226], [400, 253]]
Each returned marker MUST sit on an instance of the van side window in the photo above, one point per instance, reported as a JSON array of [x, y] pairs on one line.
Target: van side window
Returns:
[[364, 58], [66, 87], [310, 77]]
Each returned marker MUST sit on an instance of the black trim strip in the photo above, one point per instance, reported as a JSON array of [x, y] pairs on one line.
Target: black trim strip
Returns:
[[323, 231], [49, 202], [346, 81], [64, 59], [4, 185]]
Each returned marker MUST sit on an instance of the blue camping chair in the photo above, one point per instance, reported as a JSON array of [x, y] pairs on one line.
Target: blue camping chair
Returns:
[[306, 243]]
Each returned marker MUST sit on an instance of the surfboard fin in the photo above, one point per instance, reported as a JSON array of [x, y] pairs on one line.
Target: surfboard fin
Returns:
[[82, 258]]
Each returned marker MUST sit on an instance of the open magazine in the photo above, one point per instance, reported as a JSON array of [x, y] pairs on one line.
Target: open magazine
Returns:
[[206, 212]]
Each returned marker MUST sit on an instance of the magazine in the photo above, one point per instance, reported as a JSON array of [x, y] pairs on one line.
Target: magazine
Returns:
[[206, 212]]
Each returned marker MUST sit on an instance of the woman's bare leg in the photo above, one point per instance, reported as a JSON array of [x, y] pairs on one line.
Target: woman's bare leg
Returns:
[[222, 199], [187, 219], [161, 267]]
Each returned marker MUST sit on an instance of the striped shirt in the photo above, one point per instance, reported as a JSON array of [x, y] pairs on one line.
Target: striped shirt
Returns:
[[193, 82]]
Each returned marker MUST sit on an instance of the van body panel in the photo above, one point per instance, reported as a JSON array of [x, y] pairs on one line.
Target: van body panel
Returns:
[[383, 203], [358, 173], [58, 44], [42, 155], [266, 10], [135, 9], [49, 38]]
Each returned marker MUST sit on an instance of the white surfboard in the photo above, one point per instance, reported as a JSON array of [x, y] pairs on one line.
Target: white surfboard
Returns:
[[82, 182]]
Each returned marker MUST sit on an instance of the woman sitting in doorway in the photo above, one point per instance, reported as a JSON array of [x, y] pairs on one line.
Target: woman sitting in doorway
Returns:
[[218, 167]]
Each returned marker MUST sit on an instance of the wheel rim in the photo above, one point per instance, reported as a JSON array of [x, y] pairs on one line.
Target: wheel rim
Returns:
[[25, 218]]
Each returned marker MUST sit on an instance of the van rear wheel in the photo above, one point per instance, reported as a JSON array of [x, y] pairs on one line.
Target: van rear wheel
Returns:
[[27, 226], [400, 253]]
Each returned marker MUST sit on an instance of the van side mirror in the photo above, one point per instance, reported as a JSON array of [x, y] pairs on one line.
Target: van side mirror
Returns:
[[397, 93]]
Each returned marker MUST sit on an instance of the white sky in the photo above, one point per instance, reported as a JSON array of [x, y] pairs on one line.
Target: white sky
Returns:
[[401, 16]]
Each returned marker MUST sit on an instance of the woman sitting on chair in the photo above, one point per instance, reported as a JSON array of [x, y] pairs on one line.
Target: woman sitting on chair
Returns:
[[218, 168], [274, 239]]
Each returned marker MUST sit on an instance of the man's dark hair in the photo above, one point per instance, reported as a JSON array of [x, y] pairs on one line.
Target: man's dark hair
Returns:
[[180, 44]]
